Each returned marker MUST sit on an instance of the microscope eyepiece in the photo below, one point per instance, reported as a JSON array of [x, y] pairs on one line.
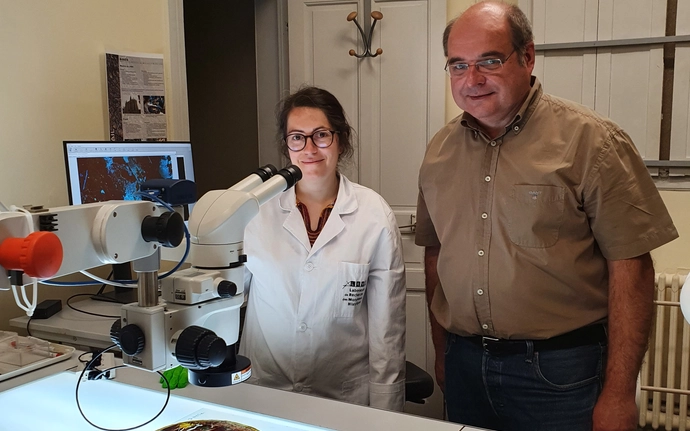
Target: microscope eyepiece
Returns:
[[292, 174], [266, 172]]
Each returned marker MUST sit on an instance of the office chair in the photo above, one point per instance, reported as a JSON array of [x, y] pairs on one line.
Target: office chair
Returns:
[[418, 384]]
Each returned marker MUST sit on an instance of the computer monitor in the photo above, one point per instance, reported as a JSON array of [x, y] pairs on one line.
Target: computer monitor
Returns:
[[99, 171], [103, 171]]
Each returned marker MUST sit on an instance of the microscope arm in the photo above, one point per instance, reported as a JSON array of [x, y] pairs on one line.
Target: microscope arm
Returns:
[[90, 235]]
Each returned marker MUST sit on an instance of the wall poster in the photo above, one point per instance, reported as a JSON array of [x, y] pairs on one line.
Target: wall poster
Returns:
[[136, 97]]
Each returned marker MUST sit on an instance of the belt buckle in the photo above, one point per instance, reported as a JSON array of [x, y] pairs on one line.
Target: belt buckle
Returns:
[[486, 340]]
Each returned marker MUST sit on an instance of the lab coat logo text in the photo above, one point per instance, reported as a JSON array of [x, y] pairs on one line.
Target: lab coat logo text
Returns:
[[354, 293]]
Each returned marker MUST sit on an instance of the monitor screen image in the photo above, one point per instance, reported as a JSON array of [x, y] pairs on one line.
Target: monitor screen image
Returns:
[[103, 171]]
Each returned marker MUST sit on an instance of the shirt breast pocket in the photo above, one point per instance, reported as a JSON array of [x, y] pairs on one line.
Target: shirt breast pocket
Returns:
[[535, 215], [351, 288]]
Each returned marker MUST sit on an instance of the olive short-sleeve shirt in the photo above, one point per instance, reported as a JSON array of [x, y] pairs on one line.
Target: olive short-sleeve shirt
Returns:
[[526, 222]]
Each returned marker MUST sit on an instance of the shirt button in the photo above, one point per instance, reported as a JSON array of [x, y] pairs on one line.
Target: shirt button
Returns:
[[480, 252], [487, 178], [485, 326], [516, 128], [485, 215], [309, 266], [298, 387], [302, 327], [493, 143], [480, 291]]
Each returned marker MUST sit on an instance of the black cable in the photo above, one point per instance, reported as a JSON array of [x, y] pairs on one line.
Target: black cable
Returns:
[[98, 297], [76, 395], [27, 326], [80, 357], [87, 312]]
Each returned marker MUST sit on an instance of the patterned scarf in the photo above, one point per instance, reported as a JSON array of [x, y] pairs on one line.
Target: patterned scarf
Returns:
[[313, 234]]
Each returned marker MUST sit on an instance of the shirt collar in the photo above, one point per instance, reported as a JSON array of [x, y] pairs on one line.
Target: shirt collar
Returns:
[[345, 202], [522, 116]]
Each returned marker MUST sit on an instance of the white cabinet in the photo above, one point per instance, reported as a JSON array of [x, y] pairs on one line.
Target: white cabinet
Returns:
[[395, 103], [621, 82], [419, 348], [319, 40]]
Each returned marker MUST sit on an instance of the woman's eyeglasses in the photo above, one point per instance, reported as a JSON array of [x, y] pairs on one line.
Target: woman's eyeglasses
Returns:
[[320, 138]]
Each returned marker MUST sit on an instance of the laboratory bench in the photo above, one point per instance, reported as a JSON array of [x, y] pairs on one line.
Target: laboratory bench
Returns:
[[74, 328], [46, 399], [137, 394]]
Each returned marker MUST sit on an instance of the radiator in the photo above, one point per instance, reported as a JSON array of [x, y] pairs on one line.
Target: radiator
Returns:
[[664, 376]]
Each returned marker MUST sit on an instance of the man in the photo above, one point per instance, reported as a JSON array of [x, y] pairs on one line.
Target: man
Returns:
[[537, 216]]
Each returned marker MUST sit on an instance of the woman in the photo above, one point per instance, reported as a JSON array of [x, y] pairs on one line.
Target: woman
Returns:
[[326, 307]]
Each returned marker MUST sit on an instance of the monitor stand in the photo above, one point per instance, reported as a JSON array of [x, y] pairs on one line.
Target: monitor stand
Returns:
[[120, 295]]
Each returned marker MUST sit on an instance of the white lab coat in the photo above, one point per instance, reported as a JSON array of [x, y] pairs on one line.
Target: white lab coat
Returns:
[[329, 319]]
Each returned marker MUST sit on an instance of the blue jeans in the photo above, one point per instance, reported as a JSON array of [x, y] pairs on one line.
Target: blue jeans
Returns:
[[532, 391]]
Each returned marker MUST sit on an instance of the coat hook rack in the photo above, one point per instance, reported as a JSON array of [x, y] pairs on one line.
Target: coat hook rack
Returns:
[[367, 40]]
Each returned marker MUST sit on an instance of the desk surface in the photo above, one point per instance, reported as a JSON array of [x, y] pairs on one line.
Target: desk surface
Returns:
[[71, 327], [136, 395], [75, 328]]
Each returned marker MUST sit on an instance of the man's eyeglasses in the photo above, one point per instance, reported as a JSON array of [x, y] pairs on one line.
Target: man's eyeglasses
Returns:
[[320, 138], [488, 66]]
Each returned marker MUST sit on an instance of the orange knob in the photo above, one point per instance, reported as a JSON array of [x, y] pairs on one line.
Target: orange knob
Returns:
[[39, 255]]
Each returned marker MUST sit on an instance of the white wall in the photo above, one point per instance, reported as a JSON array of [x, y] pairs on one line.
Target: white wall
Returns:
[[52, 88], [52, 83], [675, 256]]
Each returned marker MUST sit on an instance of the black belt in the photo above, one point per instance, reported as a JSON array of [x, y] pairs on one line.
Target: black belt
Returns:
[[588, 335]]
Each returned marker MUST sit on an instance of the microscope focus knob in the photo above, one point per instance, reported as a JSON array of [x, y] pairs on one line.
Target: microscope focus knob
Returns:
[[167, 229], [200, 348], [129, 339], [227, 289]]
